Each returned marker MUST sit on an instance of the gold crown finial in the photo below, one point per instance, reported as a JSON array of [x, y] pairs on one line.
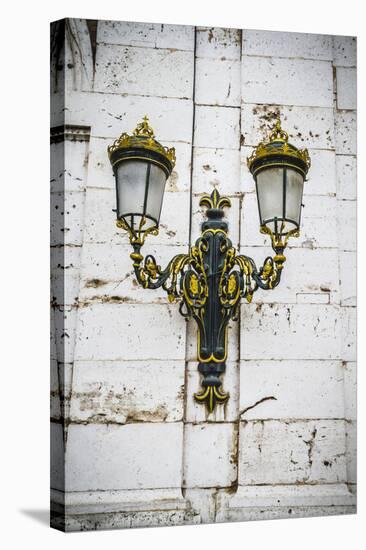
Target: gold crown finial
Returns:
[[277, 133], [144, 129], [143, 137]]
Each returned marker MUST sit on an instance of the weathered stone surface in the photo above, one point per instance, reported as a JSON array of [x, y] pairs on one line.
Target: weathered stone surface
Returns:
[[309, 275], [152, 35], [274, 452], [346, 88], [269, 389], [131, 70], [207, 448], [284, 501], [346, 221], [350, 389], [351, 451], [349, 327], [217, 82], [216, 42], [344, 51], [345, 132], [297, 82], [346, 166], [115, 457], [216, 168], [301, 331], [311, 127], [117, 331], [67, 217], [108, 275], [125, 392], [217, 127], [111, 114], [348, 279], [288, 44]]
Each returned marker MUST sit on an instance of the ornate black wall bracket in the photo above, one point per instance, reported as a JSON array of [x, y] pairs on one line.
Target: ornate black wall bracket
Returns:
[[209, 283]]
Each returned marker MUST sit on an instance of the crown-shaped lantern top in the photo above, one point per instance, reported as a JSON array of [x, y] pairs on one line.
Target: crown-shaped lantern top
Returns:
[[142, 138], [278, 151]]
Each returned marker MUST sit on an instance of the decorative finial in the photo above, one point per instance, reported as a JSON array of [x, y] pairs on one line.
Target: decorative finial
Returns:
[[144, 129], [278, 134]]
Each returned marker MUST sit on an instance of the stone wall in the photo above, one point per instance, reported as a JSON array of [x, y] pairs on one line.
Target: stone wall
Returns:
[[130, 445]]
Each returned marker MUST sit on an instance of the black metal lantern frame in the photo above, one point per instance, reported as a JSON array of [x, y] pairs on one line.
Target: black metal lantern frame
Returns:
[[210, 281]]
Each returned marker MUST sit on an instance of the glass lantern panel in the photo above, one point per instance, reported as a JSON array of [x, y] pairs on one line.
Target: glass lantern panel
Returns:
[[155, 195], [294, 189], [270, 195], [131, 183]]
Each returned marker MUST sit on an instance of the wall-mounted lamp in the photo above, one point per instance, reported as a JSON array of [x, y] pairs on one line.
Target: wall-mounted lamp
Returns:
[[210, 281]]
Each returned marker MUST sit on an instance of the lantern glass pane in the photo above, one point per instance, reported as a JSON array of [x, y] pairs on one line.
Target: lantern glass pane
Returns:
[[270, 195], [131, 182], [155, 195], [294, 189]]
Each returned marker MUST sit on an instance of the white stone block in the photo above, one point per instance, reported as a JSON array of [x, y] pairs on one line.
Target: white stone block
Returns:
[[202, 503], [55, 404], [134, 456], [351, 445], [318, 223], [287, 44], [100, 173], [232, 216], [217, 127], [125, 501], [111, 114], [347, 225], [287, 81], [117, 331], [67, 215], [344, 51], [301, 331], [126, 392], [345, 132], [143, 71], [308, 275], [107, 273], [216, 168], [223, 413], [210, 451], [346, 88], [281, 501], [57, 457], [217, 82], [273, 452], [291, 389], [311, 127], [65, 318], [153, 35], [349, 333], [217, 42], [348, 279], [350, 389], [100, 220], [65, 288], [346, 167], [233, 341]]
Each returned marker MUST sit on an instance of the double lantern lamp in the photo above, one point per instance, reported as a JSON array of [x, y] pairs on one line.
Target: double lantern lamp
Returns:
[[209, 281]]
